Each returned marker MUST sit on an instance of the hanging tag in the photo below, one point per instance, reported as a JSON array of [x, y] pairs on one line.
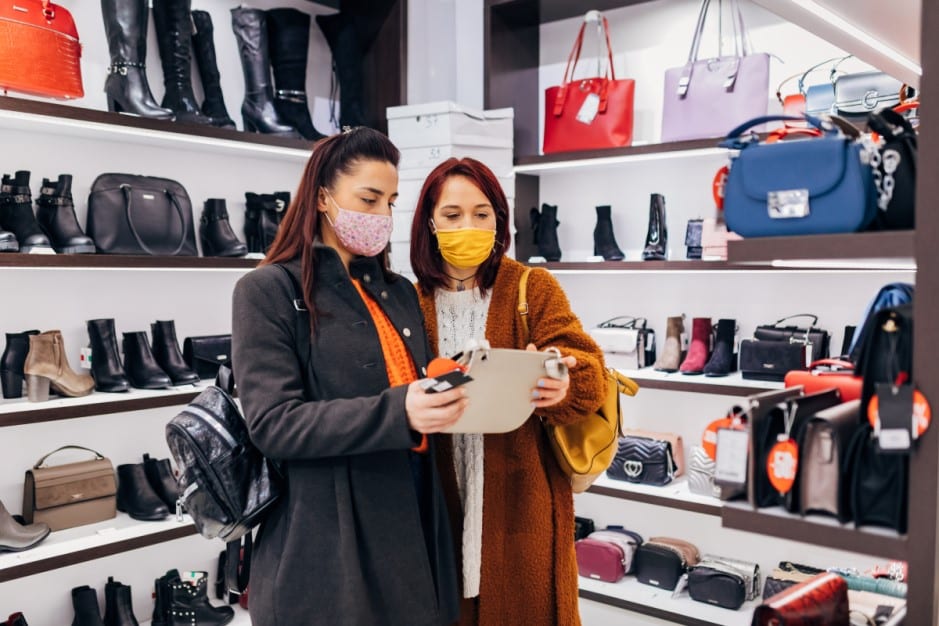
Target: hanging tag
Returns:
[[732, 450], [84, 358], [588, 110], [680, 586], [717, 187], [891, 412], [782, 464]]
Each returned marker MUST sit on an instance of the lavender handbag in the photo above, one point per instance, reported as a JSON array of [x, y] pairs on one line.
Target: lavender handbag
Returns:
[[707, 98]]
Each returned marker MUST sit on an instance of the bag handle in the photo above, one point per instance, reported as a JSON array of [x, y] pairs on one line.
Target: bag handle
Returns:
[[789, 317], [741, 47], [128, 205], [831, 76], [574, 57], [40, 462], [840, 363], [735, 141], [225, 379], [631, 322], [238, 564], [523, 303]]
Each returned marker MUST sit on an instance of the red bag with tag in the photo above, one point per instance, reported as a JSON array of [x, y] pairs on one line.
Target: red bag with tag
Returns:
[[589, 113], [828, 374], [39, 49]]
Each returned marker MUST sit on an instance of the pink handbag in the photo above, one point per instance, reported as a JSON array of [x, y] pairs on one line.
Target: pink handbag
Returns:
[[601, 560]]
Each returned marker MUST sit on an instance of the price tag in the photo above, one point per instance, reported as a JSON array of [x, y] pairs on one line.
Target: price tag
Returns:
[[84, 358], [892, 408], [588, 110], [717, 187], [732, 451], [782, 464]]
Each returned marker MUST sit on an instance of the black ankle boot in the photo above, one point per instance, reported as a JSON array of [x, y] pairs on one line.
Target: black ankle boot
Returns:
[[723, 359], [85, 603], [340, 32], [17, 619], [288, 33], [16, 212], [12, 361], [160, 475], [545, 228], [215, 233], [174, 38], [56, 217], [8, 242], [118, 605], [167, 354], [189, 603], [136, 497], [126, 87], [106, 365], [657, 238], [604, 241], [140, 364], [203, 48], [257, 111], [263, 214]]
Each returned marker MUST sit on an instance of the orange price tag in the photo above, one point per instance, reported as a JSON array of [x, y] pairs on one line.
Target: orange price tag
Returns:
[[717, 187], [709, 437], [781, 465], [922, 413]]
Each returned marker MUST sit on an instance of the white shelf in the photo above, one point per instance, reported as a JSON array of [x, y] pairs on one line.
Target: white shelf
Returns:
[[733, 384], [675, 495]]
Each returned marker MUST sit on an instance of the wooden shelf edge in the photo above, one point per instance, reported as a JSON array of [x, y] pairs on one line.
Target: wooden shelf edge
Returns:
[[35, 416], [120, 261], [693, 387], [795, 528], [675, 266], [672, 503], [97, 552], [895, 245], [580, 156], [636, 607]]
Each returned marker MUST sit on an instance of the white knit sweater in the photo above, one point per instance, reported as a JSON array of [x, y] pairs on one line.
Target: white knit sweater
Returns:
[[461, 316]]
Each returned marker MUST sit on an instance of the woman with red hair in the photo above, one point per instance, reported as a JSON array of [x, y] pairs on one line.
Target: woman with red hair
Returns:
[[511, 505]]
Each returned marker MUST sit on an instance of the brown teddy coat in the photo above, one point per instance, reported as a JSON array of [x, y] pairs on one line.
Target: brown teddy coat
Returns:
[[529, 570]]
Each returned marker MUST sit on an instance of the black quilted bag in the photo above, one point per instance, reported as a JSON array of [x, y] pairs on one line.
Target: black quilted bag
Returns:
[[643, 460]]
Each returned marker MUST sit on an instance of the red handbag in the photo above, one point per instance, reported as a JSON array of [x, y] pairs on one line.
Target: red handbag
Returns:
[[39, 49], [828, 374], [589, 113], [601, 560], [819, 601]]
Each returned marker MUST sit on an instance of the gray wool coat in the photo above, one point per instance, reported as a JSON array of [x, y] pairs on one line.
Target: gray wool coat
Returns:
[[346, 545]]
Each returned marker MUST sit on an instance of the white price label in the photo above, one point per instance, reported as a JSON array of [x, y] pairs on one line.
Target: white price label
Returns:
[[588, 110]]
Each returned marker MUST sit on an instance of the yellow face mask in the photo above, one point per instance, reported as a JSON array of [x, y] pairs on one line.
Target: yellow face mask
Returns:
[[466, 248]]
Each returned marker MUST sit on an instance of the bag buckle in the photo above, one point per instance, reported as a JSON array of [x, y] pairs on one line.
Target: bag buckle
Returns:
[[299, 305], [632, 468], [788, 204]]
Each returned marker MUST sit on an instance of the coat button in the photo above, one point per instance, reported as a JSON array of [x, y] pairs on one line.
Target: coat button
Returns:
[[406, 332], [384, 295], [367, 278]]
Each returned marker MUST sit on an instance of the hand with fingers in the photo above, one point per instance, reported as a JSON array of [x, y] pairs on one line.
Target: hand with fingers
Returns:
[[550, 391], [433, 412]]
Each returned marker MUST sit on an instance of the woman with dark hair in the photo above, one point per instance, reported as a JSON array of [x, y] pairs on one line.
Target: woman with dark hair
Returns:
[[327, 381], [511, 505]]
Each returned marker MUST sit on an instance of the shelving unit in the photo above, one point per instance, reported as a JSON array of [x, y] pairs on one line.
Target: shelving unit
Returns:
[[874, 250], [675, 495], [121, 261], [731, 385]]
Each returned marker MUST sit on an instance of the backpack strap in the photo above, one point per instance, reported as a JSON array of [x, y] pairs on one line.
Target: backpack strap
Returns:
[[302, 324], [238, 564]]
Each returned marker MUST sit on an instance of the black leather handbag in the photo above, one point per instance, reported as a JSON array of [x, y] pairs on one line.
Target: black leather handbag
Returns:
[[775, 350], [140, 215], [894, 170], [643, 460], [662, 561], [205, 354], [724, 582]]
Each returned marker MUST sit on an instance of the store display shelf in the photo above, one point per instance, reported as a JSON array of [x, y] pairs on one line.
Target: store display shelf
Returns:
[[125, 262], [242, 618], [86, 543], [594, 159], [674, 496], [889, 250], [632, 595], [580, 267], [21, 411], [815, 529], [543, 11], [24, 115], [732, 385]]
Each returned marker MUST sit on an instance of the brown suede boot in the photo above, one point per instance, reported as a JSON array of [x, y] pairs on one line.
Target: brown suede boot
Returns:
[[670, 358], [46, 364]]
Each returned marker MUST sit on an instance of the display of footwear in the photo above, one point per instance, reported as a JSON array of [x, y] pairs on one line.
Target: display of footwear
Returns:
[[16, 213], [85, 603], [187, 602], [8, 242], [670, 358], [160, 475], [141, 366], [656, 248], [47, 367], [263, 215], [348, 55], [257, 111], [167, 354], [215, 232], [15, 619], [288, 33], [700, 349], [12, 361], [136, 497], [544, 227], [55, 214], [604, 241], [126, 87], [15, 537], [174, 39], [118, 605], [106, 366], [723, 359], [203, 49]]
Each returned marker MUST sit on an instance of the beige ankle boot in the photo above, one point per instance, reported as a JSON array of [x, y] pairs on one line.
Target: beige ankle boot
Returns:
[[46, 364], [670, 358]]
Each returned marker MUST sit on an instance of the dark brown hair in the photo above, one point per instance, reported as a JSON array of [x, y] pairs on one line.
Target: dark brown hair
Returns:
[[425, 255]]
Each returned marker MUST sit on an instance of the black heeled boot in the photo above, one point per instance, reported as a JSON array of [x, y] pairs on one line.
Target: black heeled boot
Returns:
[[723, 359], [140, 364], [17, 619], [106, 366], [188, 603], [16, 212], [604, 241], [126, 87], [289, 37], [56, 217], [545, 229], [263, 214], [160, 475], [85, 603], [257, 111], [174, 39], [136, 497], [118, 605], [12, 361], [167, 354], [347, 51], [657, 237], [215, 233], [203, 48]]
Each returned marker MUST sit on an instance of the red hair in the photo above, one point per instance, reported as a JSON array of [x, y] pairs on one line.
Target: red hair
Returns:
[[425, 255]]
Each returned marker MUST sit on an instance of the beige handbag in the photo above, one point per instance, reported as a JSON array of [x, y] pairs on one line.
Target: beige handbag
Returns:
[[824, 444], [678, 450], [69, 495]]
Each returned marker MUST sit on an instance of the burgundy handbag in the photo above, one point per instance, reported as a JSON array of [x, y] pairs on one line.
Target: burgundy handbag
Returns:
[[706, 98], [601, 560], [589, 113], [819, 601], [39, 49]]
